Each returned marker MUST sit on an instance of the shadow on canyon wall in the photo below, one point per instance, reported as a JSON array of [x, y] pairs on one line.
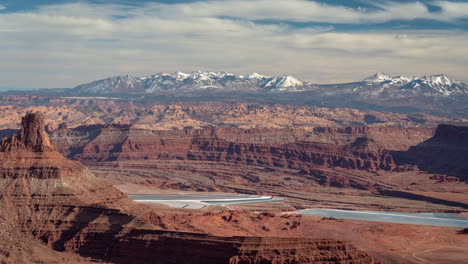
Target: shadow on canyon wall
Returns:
[[445, 153]]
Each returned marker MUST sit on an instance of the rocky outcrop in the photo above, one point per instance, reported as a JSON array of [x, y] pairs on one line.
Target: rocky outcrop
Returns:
[[359, 148], [32, 136], [243, 250], [445, 153], [59, 202]]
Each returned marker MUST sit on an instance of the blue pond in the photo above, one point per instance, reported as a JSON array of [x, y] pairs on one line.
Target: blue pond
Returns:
[[272, 199], [431, 219]]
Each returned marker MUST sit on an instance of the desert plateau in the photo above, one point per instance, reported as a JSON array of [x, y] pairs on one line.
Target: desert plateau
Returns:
[[234, 132], [66, 209]]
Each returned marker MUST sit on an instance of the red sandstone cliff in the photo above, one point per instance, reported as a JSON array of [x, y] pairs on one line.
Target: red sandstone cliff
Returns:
[[60, 203], [308, 150], [445, 153], [31, 137]]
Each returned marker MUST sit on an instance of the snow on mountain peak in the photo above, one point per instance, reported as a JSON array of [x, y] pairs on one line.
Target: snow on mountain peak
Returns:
[[403, 79], [440, 79], [439, 84], [255, 76], [378, 78], [179, 75], [289, 81], [379, 83], [384, 78], [286, 83]]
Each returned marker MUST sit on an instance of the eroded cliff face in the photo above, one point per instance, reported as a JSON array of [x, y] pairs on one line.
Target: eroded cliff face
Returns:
[[307, 150], [246, 250], [445, 153], [31, 137], [59, 202]]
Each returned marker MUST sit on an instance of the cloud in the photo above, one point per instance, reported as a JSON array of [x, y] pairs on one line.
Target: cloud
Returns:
[[65, 45], [453, 9], [291, 10], [311, 11], [2, 7]]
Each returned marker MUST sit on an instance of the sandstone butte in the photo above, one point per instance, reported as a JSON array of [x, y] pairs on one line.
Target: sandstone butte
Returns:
[[53, 210]]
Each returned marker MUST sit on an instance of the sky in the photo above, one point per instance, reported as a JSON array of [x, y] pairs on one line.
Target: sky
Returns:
[[64, 43]]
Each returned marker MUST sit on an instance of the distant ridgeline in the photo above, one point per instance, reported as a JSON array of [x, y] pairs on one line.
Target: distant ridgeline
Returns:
[[436, 94], [433, 94]]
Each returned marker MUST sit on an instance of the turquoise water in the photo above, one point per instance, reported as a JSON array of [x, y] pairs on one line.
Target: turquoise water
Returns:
[[273, 199], [214, 199], [431, 219]]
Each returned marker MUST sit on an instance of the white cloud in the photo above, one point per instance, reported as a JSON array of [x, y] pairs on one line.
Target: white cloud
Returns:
[[310, 11], [453, 9], [65, 45], [291, 10]]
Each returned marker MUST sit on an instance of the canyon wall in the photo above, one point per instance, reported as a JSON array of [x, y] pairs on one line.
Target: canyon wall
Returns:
[[59, 202], [446, 153], [362, 148], [442, 151]]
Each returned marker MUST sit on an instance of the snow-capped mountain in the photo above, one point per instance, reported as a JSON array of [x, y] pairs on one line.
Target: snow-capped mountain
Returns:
[[440, 84], [378, 78], [435, 93], [429, 85], [387, 79], [287, 83], [116, 85], [194, 81], [379, 85]]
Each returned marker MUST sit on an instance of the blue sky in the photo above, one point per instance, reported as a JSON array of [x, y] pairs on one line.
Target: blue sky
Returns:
[[61, 43]]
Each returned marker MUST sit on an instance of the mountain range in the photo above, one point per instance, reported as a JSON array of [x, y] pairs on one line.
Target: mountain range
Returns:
[[379, 83], [431, 94], [197, 80]]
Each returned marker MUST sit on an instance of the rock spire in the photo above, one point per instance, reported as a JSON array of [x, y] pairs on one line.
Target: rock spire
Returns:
[[32, 135]]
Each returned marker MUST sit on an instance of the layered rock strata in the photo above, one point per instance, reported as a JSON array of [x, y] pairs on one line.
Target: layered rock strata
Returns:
[[307, 150], [60, 203], [445, 153]]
